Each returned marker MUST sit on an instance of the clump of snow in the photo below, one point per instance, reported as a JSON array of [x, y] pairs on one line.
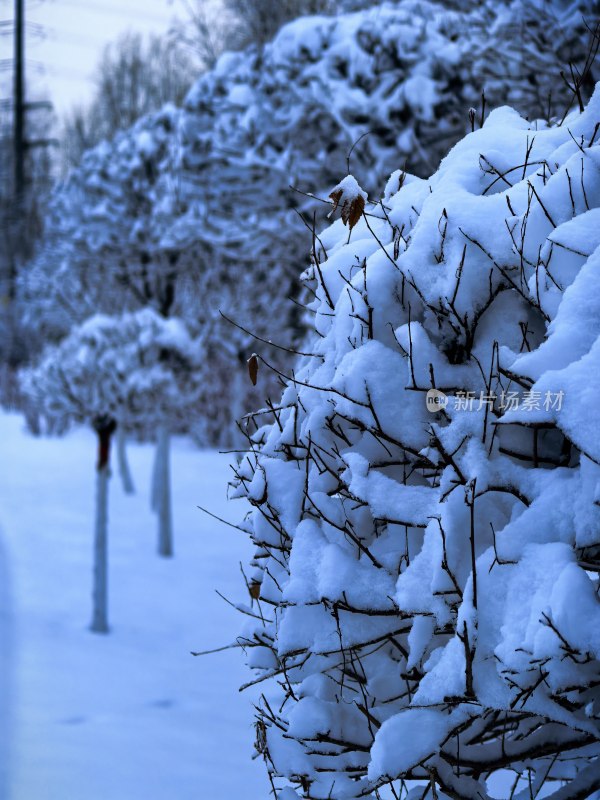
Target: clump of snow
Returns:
[[137, 369]]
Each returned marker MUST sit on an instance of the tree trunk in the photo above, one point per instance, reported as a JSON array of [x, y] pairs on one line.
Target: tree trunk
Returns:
[[105, 429], [124, 471], [156, 477], [162, 493]]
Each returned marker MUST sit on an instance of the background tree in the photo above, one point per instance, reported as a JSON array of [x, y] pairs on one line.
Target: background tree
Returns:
[[134, 77], [136, 371], [258, 21], [212, 28], [101, 247]]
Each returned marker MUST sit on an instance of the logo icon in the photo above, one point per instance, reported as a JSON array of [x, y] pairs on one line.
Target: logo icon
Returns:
[[436, 400]]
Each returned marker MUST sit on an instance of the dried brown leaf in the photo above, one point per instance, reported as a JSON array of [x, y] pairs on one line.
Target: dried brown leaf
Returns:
[[353, 211], [254, 589], [253, 368], [336, 197]]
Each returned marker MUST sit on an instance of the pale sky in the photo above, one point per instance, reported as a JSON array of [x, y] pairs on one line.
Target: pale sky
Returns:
[[65, 40]]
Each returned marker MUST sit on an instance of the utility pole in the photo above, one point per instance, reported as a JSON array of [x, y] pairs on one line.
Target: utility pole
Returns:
[[19, 99]]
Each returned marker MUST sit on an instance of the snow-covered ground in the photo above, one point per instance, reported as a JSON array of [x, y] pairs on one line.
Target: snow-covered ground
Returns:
[[131, 714]]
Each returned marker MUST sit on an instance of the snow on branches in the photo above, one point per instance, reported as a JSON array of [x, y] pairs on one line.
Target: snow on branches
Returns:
[[137, 369], [101, 248], [425, 617]]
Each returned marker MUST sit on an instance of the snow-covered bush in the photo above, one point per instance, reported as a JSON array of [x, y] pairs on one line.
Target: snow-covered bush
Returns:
[[425, 618], [137, 371], [191, 210]]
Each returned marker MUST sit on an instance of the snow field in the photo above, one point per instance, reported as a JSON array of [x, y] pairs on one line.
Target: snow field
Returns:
[[131, 714]]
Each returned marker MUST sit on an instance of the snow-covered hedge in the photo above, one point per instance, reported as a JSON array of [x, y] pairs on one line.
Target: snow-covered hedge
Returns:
[[427, 521]]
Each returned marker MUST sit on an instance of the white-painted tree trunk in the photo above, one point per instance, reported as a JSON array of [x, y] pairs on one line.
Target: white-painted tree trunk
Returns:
[[156, 477], [100, 588], [124, 470], [162, 492]]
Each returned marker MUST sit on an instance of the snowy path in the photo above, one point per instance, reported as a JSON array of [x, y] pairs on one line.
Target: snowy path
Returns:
[[6, 664], [129, 715]]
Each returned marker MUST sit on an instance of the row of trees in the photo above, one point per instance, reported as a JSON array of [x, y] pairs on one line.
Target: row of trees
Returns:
[[134, 77], [191, 210]]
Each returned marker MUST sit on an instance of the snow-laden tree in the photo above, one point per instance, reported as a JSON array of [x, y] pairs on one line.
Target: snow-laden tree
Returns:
[[107, 248], [425, 620], [137, 371], [100, 251], [405, 73]]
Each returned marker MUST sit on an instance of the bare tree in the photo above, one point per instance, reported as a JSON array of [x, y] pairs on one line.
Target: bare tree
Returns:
[[240, 23], [204, 31], [259, 20], [133, 78]]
